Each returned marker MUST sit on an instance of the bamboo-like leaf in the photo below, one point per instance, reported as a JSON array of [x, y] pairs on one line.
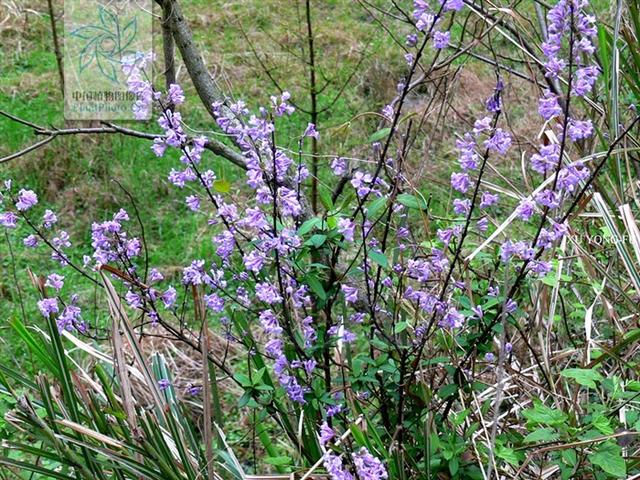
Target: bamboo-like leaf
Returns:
[[610, 222], [39, 349], [123, 376], [119, 315], [34, 468]]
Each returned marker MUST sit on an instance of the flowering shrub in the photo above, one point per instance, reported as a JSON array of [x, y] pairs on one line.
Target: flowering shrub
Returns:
[[368, 334]]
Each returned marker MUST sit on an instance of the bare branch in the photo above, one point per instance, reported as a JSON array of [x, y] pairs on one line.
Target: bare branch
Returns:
[[212, 145]]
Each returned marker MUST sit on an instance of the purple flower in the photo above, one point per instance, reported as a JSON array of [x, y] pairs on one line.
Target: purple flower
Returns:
[[334, 467], [508, 249], [539, 268], [409, 58], [339, 166], [169, 297], [499, 142], [548, 106], [388, 112], [494, 102], [460, 181], [31, 241], [579, 130], [163, 384], [311, 131], [214, 302], [368, 466], [361, 182], [482, 125], [350, 293], [548, 198], [8, 219], [193, 202], [452, 319], [326, 433], [194, 390], [225, 243], [411, 40], [194, 273], [333, 410], [289, 202], [584, 79], [483, 224], [282, 107], [441, 40], [70, 319], [26, 200], [155, 276], [467, 158], [175, 94], [159, 147], [461, 206], [571, 176], [49, 219], [267, 293], [526, 209], [490, 357], [55, 281], [347, 228], [455, 5], [547, 158], [48, 306], [488, 199], [133, 299], [254, 260], [554, 67]]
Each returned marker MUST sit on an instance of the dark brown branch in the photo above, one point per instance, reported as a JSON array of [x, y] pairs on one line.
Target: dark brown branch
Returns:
[[56, 44], [204, 83], [168, 49]]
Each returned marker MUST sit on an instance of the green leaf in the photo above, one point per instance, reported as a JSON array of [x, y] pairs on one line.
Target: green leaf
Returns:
[[412, 201], [400, 327], [509, 455], [542, 414], [609, 458], [309, 225], [278, 460], [541, 435], [379, 258], [454, 464], [380, 134], [317, 240], [602, 423], [583, 376], [243, 379], [221, 185], [326, 198], [375, 207], [448, 390], [316, 286]]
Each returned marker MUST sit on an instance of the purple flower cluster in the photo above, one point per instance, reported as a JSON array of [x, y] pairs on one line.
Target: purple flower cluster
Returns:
[[133, 66], [282, 366], [111, 243], [570, 35]]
